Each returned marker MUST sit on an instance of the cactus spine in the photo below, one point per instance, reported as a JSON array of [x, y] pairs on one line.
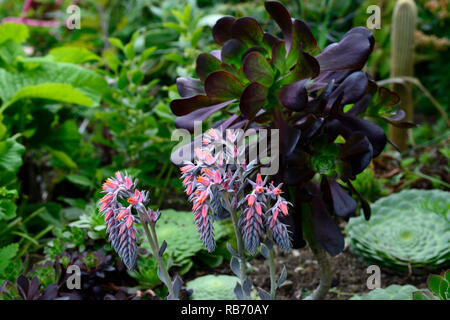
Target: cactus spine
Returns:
[[402, 64]]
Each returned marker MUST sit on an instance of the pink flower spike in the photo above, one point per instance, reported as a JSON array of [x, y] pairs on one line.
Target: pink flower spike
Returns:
[[258, 208], [128, 182], [108, 215], [129, 221], [204, 181], [119, 176], [122, 228], [122, 213], [217, 177], [204, 211], [259, 180], [284, 208], [251, 200]]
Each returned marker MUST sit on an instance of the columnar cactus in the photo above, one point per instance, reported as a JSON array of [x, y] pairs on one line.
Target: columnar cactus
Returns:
[[402, 62]]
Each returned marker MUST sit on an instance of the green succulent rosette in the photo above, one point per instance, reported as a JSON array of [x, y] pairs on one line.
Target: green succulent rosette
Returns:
[[408, 230], [393, 292]]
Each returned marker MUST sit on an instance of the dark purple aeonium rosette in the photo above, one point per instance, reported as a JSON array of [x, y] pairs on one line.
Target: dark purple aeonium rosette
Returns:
[[320, 102]]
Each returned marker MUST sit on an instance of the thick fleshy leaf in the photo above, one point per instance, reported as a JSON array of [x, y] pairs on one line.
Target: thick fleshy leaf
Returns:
[[253, 99], [298, 168], [257, 69], [189, 87], [222, 30], [294, 96], [247, 30], [350, 53], [365, 32], [364, 205], [181, 107], [327, 233], [279, 56], [353, 88], [187, 121], [269, 39], [383, 102], [221, 86], [374, 133], [356, 144], [289, 135], [303, 36], [282, 17], [343, 203], [206, 64], [306, 67], [397, 119], [325, 77], [361, 105], [232, 51]]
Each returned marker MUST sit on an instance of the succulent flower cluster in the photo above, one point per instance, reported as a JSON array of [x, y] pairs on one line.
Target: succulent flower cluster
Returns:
[[217, 180], [316, 99], [121, 220]]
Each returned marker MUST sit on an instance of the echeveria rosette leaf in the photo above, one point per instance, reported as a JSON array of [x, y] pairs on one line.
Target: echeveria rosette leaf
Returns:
[[409, 229], [318, 101]]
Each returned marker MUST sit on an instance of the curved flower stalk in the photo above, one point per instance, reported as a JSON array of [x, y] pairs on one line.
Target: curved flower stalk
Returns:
[[121, 222], [323, 103], [218, 184]]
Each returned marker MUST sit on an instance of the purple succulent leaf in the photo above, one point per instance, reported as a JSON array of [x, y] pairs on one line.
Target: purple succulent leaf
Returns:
[[361, 105], [294, 96], [232, 51], [279, 56], [247, 30], [353, 87], [222, 30], [253, 99], [325, 77], [206, 64], [269, 39], [303, 36], [374, 133], [327, 233], [283, 19], [189, 87], [343, 203], [365, 32], [187, 121], [306, 67], [184, 106], [257, 69], [222, 86], [349, 53]]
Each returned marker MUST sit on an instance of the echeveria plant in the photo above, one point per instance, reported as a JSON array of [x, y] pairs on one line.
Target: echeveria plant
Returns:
[[121, 224], [219, 185]]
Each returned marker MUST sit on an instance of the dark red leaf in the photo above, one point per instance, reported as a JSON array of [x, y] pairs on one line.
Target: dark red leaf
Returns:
[[181, 107], [293, 96], [222, 30], [221, 86], [232, 51], [349, 53], [253, 99], [282, 17], [257, 69], [247, 30], [206, 64]]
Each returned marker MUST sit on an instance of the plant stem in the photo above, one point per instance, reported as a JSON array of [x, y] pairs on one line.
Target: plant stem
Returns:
[[325, 273], [321, 256], [272, 270], [153, 241], [239, 241]]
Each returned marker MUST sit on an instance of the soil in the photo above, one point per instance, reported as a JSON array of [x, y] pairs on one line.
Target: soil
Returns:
[[349, 275]]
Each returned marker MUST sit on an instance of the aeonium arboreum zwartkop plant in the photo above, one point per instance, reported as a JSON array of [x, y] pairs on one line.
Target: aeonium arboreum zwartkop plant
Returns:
[[121, 225], [319, 102], [219, 181]]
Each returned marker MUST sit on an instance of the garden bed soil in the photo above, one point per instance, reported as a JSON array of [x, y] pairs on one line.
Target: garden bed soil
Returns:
[[349, 275]]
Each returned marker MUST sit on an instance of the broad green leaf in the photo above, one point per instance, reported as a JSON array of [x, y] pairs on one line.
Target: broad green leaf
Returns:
[[7, 209], [76, 55], [62, 157], [434, 282], [46, 79], [6, 255], [11, 155], [116, 42], [80, 180], [13, 31], [9, 52]]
